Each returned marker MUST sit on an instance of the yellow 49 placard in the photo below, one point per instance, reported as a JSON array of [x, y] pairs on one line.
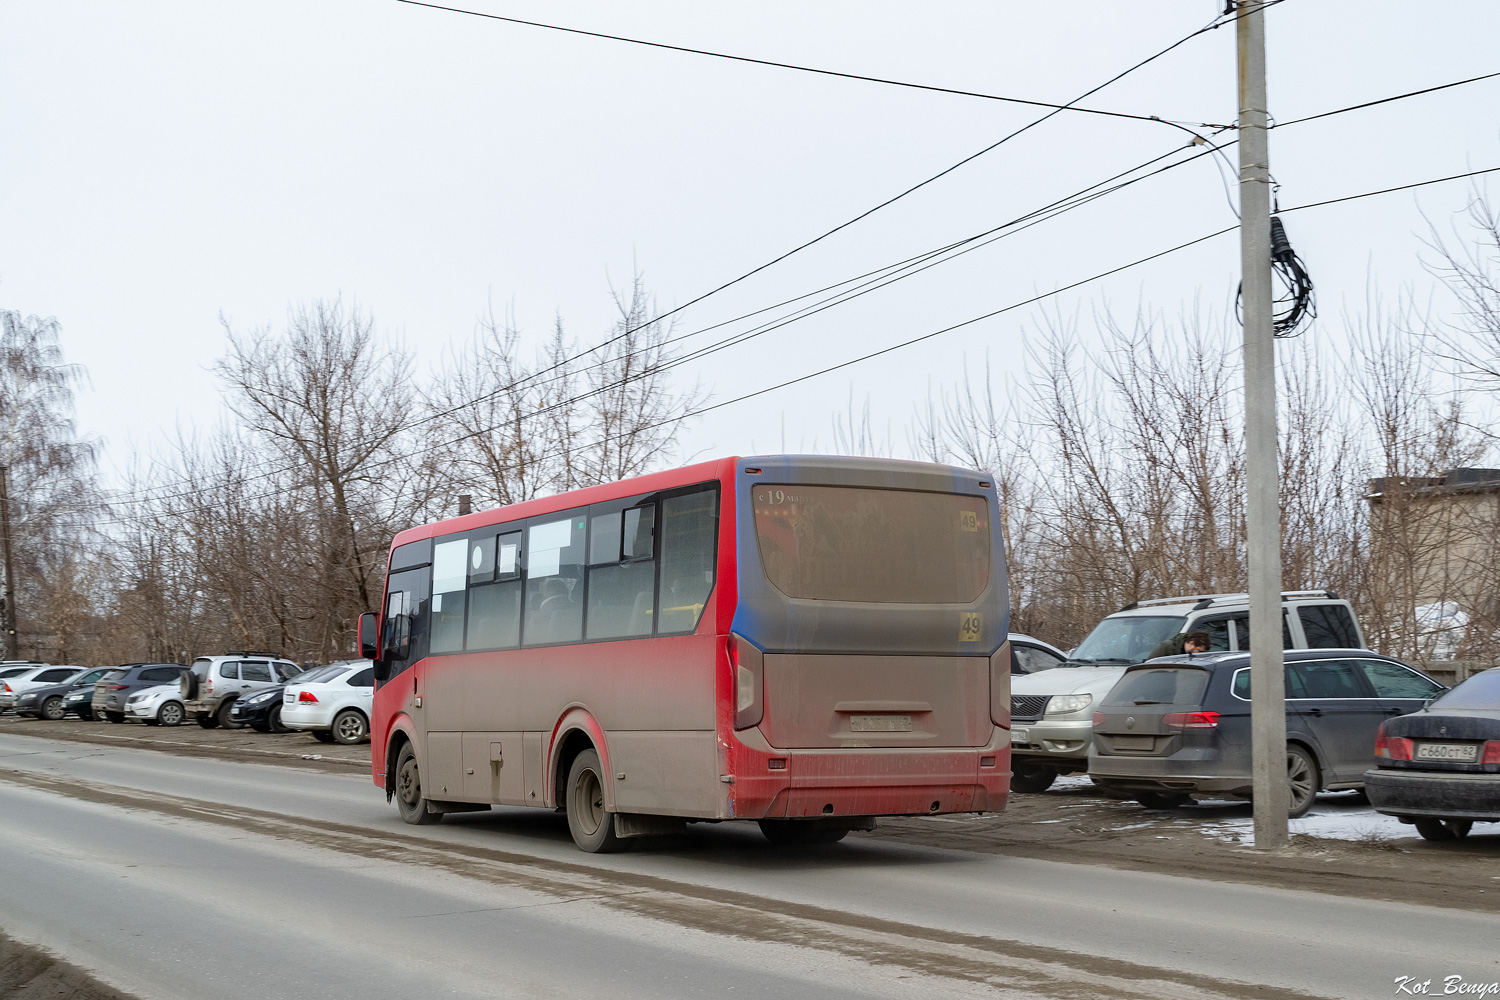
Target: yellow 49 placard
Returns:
[[968, 626]]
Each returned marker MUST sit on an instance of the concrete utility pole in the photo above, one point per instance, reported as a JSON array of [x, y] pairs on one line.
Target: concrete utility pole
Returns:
[[1262, 474], [10, 573]]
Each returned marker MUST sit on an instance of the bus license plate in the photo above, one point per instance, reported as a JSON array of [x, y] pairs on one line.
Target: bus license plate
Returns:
[[1463, 753], [880, 723]]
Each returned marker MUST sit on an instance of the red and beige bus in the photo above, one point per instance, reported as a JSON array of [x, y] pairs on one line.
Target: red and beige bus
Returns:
[[805, 641]]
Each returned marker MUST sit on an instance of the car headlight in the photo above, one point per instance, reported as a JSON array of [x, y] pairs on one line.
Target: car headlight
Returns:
[[263, 697], [1067, 704]]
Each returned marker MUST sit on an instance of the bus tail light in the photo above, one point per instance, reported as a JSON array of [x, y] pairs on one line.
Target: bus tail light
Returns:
[[1000, 686], [749, 684]]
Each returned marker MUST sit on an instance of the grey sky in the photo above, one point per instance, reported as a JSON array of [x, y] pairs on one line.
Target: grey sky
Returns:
[[166, 162]]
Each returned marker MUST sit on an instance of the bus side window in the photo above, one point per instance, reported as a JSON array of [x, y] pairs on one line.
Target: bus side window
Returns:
[[689, 536], [622, 575], [449, 579], [554, 580], [495, 608], [405, 638]]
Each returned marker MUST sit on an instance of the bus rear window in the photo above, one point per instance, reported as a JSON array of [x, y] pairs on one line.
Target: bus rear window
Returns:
[[849, 543]]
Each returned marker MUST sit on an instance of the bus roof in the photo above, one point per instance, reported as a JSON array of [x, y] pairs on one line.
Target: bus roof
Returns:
[[702, 472]]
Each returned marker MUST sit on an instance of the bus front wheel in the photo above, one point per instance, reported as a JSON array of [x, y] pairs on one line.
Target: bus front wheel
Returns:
[[409, 799], [593, 827]]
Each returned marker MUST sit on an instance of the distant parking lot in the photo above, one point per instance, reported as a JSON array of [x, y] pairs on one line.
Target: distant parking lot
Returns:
[[293, 749]]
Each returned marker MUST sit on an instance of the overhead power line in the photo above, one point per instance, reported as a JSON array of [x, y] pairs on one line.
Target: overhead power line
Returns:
[[885, 81], [1399, 187], [1387, 100]]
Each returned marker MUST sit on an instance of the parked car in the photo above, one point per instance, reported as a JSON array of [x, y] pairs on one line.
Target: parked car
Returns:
[[12, 687], [1029, 655], [334, 705], [214, 683], [156, 706], [261, 711], [1052, 711], [52, 702], [113, 690], [1180, 725], [1439, 768]]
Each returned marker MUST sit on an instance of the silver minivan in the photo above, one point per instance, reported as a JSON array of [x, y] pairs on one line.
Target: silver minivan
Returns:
[[1052, 711]]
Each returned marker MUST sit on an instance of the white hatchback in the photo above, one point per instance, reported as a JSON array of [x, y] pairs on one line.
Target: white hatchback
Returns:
[[160, 705], [332, 702]]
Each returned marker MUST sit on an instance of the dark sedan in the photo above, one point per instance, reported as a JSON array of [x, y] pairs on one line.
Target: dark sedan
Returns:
[[1439, 768], [56, 701], [260, 711]]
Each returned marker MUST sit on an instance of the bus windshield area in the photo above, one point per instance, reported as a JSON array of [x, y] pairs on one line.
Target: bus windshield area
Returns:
[[855, 544], [1128, 639]]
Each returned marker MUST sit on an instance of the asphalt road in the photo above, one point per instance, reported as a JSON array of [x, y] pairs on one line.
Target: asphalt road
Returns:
[[172, 877]]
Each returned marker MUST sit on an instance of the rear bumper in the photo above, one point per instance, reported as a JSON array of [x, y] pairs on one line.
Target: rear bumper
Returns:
[[298, 715], [7, 701], [868, 781], [1163, 774], [1442, 794], [203, 706]]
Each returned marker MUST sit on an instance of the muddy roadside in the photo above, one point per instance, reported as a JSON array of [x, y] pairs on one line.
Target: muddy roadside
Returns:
[[33, 972], [1069, 823]]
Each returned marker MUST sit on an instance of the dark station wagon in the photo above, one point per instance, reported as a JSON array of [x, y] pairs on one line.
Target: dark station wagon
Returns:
[[1180, 726]]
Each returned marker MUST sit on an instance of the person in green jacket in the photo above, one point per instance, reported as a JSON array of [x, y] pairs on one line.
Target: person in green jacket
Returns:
[[1182, 642]]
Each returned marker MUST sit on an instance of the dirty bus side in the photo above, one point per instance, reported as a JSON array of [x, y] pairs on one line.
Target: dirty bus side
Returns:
[[809, 642]]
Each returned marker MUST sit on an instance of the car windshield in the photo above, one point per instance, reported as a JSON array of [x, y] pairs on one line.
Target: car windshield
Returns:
[[1482, 691], [317, 674], [1126, 639]]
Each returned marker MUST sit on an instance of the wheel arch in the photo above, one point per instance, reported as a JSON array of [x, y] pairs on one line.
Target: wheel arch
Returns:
[[1313, 754], [400, 735], [574, 733]]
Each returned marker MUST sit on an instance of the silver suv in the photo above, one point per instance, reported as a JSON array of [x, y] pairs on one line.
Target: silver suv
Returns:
[[1052, 711], [212, 685]]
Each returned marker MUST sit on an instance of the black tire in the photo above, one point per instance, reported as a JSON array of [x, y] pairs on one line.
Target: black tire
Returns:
[[223, 715], [53, 710], [1459, 827], [322, 736], [170, 714], [1434, 829], [1027, 776], [409, 799], [801, 832], [149, 722], [206, 721], [592, 826], [188, 686], [115, 717], [261, 727], [350, 727], [1161, 800], [273, 721], [86, 714], [1303, 780]]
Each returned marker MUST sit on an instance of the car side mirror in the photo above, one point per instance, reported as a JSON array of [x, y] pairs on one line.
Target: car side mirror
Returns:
[[369, 637]]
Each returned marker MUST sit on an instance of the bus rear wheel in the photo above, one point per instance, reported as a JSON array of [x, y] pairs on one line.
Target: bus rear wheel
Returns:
[[409, 799], [592, 826]]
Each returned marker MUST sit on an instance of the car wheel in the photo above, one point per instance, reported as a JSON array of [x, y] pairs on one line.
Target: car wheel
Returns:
[[170, 714], [274, 721], [52, 709], [224, 717], [261, 727], [115, 717], [1161, 800], [86, 714], [322, 736], [1026, 776], [206, 721], [1433, 829], [1302, 779], [409, 799], [350, 727], [795, 833], [592, 826]]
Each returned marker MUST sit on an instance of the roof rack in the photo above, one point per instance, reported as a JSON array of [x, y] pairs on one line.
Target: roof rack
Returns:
[[1200, 601], [248, 652]]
